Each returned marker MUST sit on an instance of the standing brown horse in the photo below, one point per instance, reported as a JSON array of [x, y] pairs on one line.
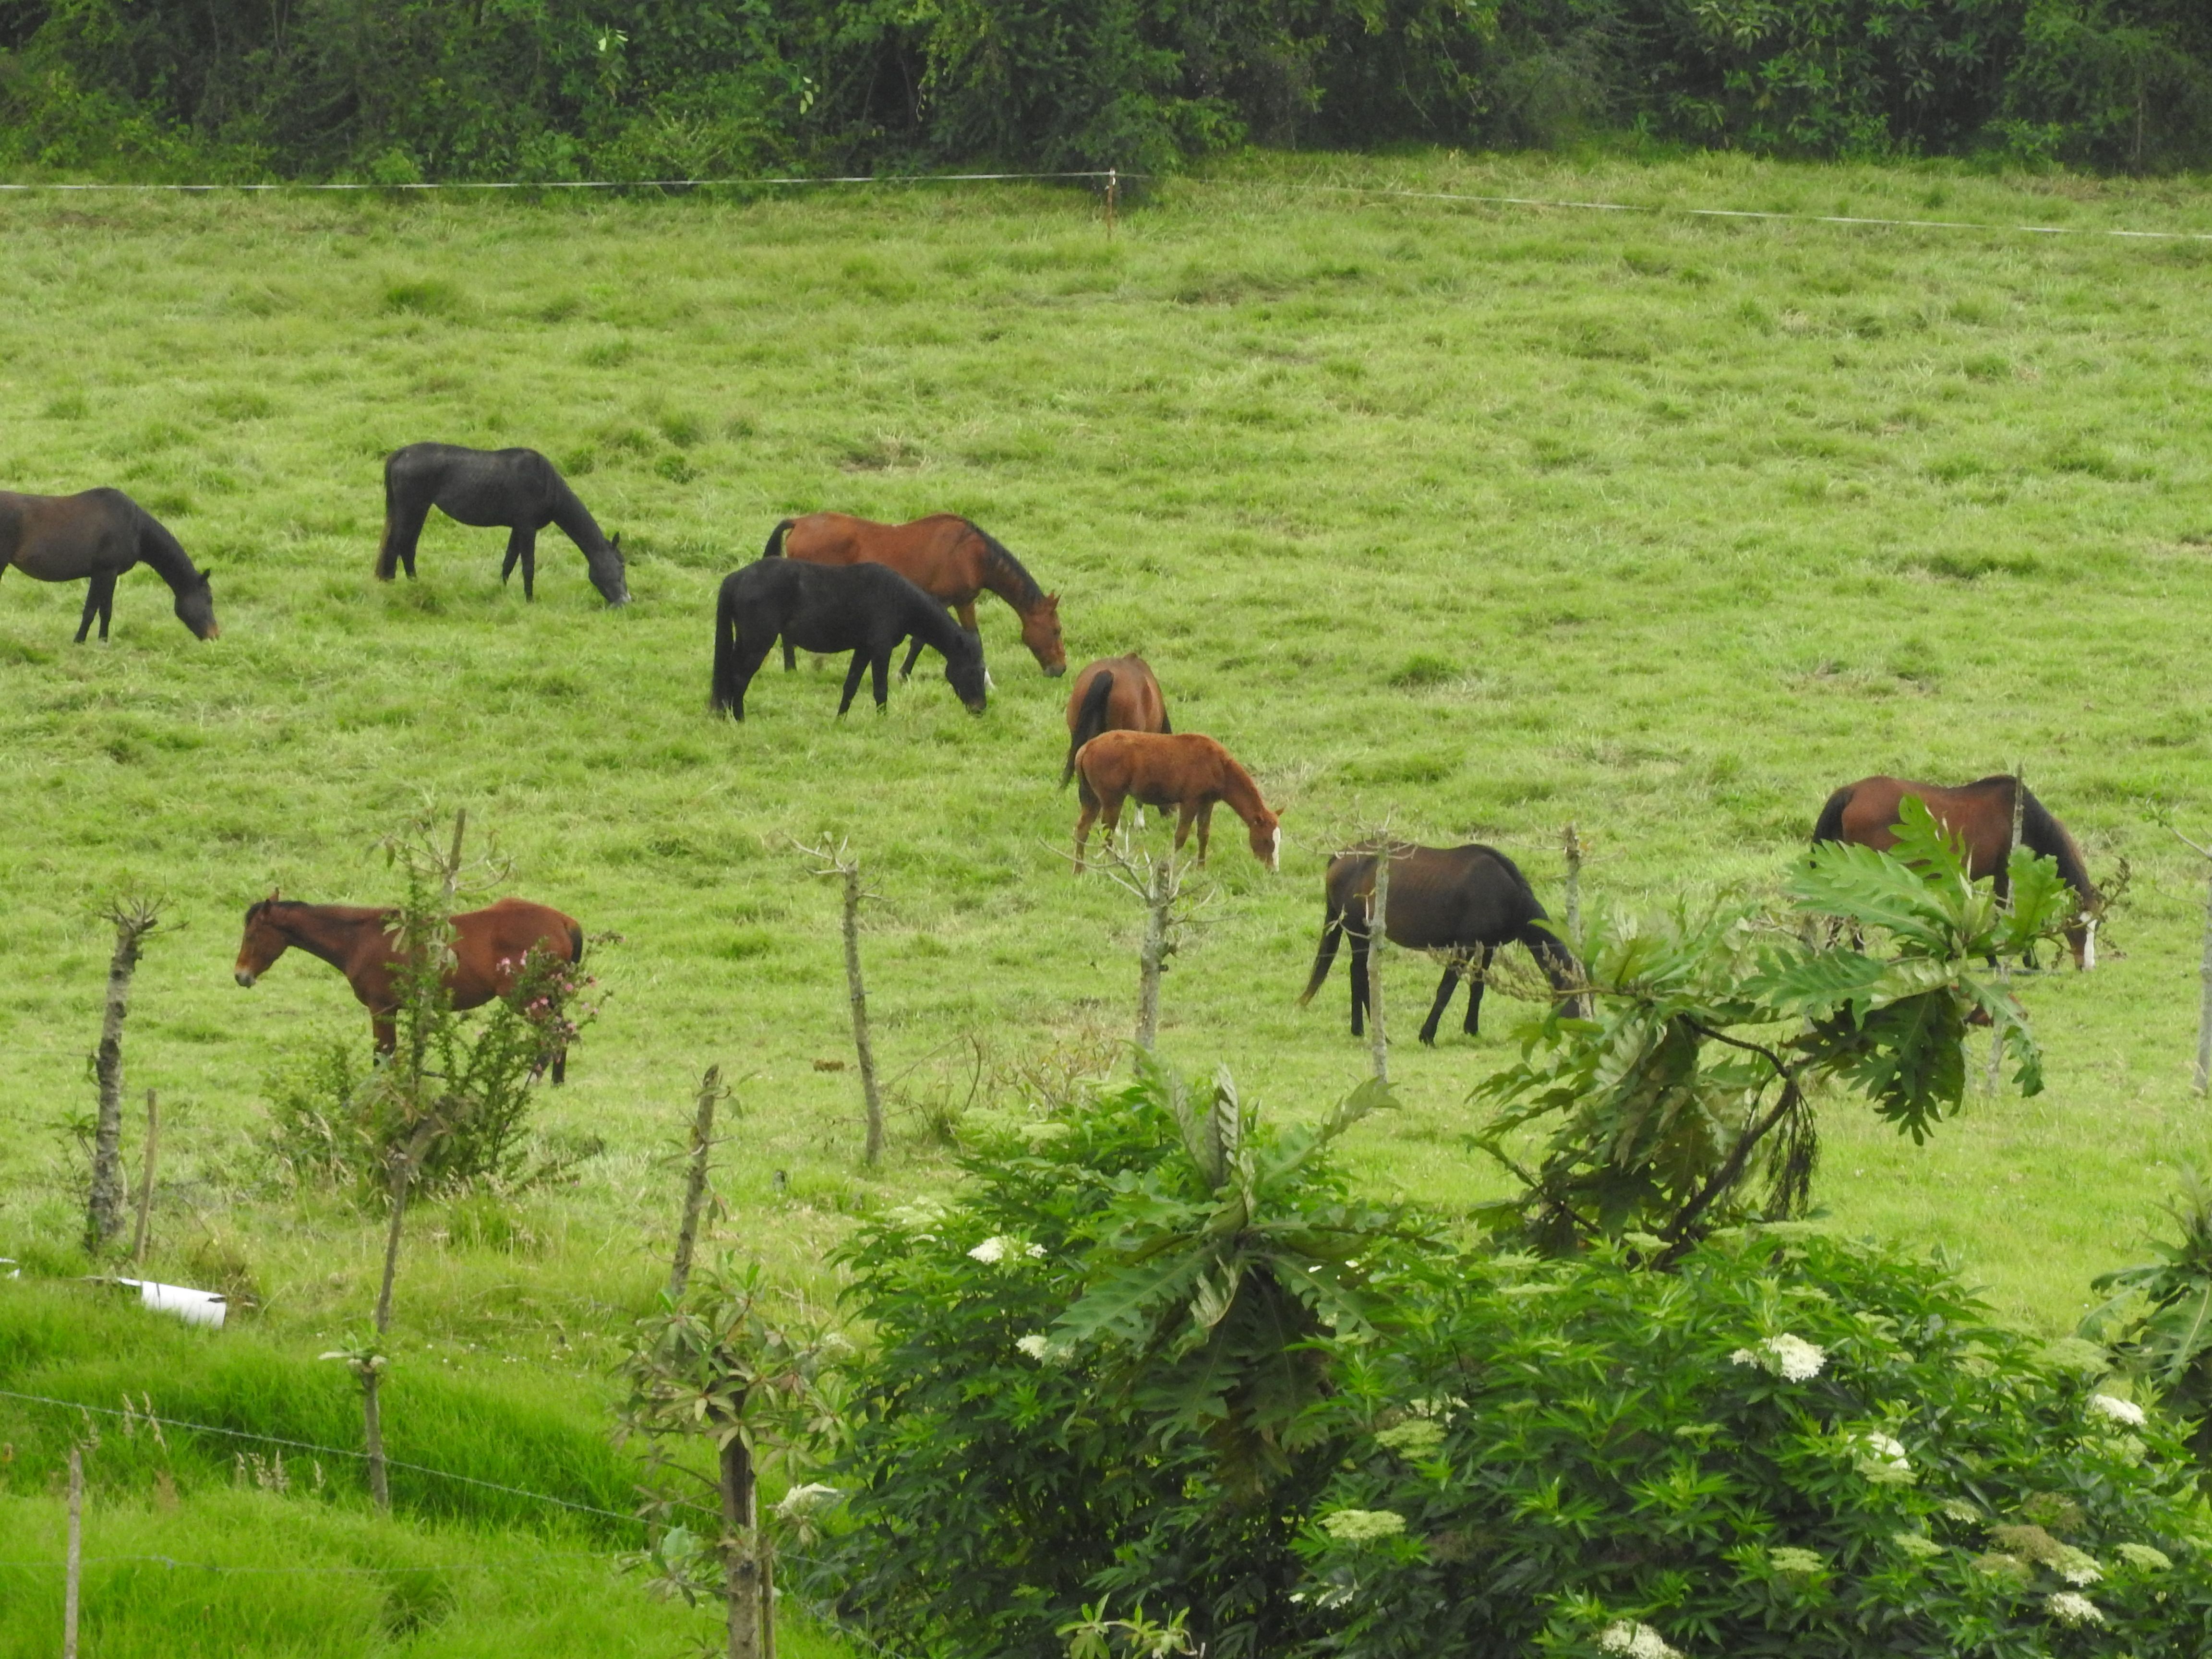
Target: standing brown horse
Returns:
[[1113, 694], [946, 556], [1980, 814], [100, 534], [490, 947], [1185, 771]]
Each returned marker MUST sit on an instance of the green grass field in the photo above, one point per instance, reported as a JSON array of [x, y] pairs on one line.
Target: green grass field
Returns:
[[1481, 517]]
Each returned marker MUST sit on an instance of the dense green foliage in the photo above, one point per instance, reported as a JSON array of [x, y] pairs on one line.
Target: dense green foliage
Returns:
[[1791, 1446], [398, 90]]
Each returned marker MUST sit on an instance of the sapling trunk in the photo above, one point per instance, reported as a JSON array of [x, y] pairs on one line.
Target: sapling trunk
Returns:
[[694, 1181], [2004, 903], [740, 1565], [859, 995], [133, 921], [1151, 958], [1378, 929], [146, 1178], [1574, 851]]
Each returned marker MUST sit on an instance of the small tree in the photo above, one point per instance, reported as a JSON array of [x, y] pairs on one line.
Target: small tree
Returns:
[[736, 1362], [133, 918], [1714, 1033]]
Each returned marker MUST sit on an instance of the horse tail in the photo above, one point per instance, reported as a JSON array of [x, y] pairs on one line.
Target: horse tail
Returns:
[[1830, 825], [575, 945], [775, 548], [724, 690], [1089, 721], [387, 551], [1167, 726], [2039, 832]]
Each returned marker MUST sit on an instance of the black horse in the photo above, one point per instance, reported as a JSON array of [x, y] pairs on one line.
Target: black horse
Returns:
[[517, 487], [865, 609], [100, 534], [1463, 901]]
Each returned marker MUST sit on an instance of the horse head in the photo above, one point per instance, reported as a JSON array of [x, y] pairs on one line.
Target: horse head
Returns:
[[1041, 633], [964, 671], [1266, 832], [261, 945], [195, 607], [607, 569]]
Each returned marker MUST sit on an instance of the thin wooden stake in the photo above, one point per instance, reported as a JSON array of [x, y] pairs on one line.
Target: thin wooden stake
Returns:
[[146, 1178], [1151, 958], [75, 1572], [1574, 850], [740, 1566], [2004, 903], [1378, 933], [694, 1181], [858, 995], [1113, 193]]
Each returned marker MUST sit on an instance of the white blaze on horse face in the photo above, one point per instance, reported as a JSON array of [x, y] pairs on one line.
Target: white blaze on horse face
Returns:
[[2089, 944], [1275, 850]]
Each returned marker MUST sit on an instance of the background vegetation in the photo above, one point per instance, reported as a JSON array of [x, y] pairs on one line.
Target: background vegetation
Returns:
[[397, 90], [1665, 524]]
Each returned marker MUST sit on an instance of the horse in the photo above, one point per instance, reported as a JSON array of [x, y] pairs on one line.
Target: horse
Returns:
[[945, 556], [865, 609], [1465, 902], [1980, 814], [1179, 769], [490, 947], [517, 487], [100, 534], [1113, 694]]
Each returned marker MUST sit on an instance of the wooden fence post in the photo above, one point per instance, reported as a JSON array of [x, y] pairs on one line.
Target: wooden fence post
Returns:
[[134, 919], [695, 1179], [76, 1569]]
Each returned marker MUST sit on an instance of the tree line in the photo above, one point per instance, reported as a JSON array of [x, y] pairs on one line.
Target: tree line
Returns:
[[397, 91]]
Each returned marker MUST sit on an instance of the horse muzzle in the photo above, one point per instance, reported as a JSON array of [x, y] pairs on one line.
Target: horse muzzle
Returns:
[[244, 978], [1055, 671]]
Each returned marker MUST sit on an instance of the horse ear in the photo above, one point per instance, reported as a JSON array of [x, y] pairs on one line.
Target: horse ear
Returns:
[[615, 542]]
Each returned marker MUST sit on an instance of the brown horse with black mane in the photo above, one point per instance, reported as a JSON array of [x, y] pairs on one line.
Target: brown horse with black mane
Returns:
[[1190, 772], [946, 556], [1113, 694], [1980, 814], [100, 534], [489, 948]]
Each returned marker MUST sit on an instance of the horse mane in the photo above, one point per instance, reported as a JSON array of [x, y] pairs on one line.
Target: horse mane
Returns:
[[2042, 833], [998, 559], [574, 518], [160, 552]]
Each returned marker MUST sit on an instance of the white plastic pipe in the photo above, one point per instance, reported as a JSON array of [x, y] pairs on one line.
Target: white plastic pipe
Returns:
[[193, 1307]]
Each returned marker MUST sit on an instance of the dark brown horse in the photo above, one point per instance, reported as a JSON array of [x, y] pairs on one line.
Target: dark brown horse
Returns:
[[865, 609], [946, 556], [1113, 694], [1463, 903], [1980, 814], [517, 489], [490, 947], [1188, 772], [100, 534]]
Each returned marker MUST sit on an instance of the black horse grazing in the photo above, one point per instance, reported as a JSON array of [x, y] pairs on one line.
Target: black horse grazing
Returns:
[[517, 487], [1463, 901], [865, 609], [100, 534]]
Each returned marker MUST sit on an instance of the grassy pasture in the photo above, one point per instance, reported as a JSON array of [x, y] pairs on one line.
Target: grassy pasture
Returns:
[[1486, 517]]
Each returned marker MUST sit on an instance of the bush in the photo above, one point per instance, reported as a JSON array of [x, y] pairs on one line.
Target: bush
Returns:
[[1790, 1446]]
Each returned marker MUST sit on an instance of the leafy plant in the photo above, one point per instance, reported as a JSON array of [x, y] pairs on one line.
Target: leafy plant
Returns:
[[1714, 1035], [1790, 1445], [2158, 1318]]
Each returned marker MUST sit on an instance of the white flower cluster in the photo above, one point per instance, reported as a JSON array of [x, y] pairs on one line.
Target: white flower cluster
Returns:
[[2068, 1608], [2143, 1555], [1792, 1358], [1919, 1545], [805, 1500], [1882, 1460], [1363, 1526], [1043, 1349], [2076, 1566], [1635, 1641], [1413, 1440], [999, 1246], [1793, 1560], [2114, 1409]]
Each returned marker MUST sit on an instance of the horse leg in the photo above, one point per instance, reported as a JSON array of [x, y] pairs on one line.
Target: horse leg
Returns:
[[1444, 989], [790, 655], [1082, 822], [98, 601], [749, 662], [852, 680], [521, 549], [913, 654], [1478, 965], [1205, 829], [1359, 935], [879, 668]]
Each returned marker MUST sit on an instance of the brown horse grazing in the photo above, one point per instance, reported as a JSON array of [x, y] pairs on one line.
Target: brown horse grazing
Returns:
[[1185, 771], [1980, 813], [946, 556], [1463, 902], [490, 947], [100, 534], [1113, 694]]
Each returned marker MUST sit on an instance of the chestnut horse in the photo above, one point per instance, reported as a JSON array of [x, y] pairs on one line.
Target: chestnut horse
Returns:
[[100, 534], [1182, 770], [489, 947], [1461, 901], [1980, 814], [946, 556], [1113, 694]]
